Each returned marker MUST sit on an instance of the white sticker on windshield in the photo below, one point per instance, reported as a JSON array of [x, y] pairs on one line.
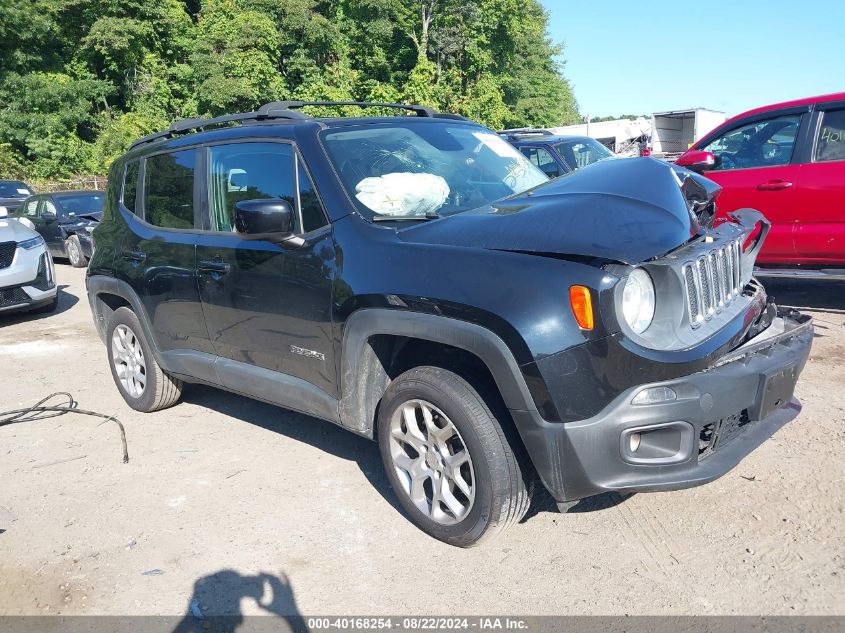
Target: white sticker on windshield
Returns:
[[24, 191], [497, 144]]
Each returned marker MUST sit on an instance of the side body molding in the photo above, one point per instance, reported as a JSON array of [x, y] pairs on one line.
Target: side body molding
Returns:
[[262, 384], [360, 396]]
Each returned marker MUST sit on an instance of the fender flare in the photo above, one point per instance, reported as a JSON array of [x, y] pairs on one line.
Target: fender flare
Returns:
[[357, 404], [102, 284]]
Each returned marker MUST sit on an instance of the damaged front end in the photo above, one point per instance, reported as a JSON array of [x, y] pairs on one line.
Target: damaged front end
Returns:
[[703, 285]]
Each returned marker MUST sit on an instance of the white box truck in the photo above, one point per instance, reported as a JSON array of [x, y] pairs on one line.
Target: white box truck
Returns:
[[673, 132]]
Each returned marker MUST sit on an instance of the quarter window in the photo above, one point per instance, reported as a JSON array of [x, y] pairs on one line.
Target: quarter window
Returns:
[[312, 211], [830, 143], [31, 208], [169, 190], [766, 143], [130, 185], [249, 171]]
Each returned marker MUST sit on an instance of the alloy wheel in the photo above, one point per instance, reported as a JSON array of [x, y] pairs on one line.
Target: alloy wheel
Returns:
[[72, 253], [432, 462], [128, 360]]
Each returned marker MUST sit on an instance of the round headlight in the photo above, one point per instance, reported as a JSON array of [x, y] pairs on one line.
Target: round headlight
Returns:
[[638, 301]]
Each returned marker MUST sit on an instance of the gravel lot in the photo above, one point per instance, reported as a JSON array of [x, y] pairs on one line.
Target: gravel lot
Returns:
[[235, 505]]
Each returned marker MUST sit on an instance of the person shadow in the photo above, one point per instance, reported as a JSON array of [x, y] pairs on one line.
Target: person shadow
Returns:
[[215, 605]]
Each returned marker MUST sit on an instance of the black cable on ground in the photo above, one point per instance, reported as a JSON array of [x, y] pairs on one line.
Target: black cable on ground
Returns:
[[42, 411]]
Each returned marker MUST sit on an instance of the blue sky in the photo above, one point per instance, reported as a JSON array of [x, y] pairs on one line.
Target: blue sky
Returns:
[[644, 56]]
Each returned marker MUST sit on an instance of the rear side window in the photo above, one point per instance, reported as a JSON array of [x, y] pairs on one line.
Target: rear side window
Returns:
[[169, 189], [830, 143], [130, 185]]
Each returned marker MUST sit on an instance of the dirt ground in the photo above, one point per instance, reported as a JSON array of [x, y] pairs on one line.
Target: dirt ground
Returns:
[[233, 506]]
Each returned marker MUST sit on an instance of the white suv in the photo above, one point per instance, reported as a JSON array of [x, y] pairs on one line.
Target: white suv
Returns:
[[27, 276]]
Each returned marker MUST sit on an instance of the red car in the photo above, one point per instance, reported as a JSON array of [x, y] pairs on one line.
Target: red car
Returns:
[[787, 161]]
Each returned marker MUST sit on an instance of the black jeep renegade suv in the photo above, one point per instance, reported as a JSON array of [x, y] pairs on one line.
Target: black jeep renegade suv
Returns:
[[416, 280]]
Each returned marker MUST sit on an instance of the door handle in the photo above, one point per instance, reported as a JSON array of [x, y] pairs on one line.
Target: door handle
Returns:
[[137, 257], [774, 185], [213, 266]]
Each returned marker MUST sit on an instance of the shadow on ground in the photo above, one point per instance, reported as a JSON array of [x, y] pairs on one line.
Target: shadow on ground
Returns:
[[542, 501], [312, 431], [66, 302], [215, 605], [346, 445]]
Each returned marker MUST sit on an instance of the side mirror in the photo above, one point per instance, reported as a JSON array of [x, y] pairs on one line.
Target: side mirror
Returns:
[[697, 160], [4, 213], [268, 219]]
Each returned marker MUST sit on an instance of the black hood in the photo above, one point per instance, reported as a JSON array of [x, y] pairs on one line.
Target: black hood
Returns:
[[626, 210], [92, 217]]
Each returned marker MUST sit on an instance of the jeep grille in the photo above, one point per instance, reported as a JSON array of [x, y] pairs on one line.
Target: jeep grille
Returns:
[[712, 282]]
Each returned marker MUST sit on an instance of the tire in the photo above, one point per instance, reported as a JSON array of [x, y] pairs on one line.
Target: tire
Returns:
[[497, 478], [143, 384], [74, 252]]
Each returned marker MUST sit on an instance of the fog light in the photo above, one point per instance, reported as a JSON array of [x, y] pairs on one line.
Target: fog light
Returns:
[[634, 442], [653, 395]]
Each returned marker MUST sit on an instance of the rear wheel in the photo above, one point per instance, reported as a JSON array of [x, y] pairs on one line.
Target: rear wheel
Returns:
[[141, 381], [74, 252], [448, 458]]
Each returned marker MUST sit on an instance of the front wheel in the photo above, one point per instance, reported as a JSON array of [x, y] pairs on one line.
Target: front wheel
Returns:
[[74, 252], [448, 458]]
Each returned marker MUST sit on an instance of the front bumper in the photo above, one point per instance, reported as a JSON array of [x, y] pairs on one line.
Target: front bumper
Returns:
[[29, 282], [717, 417]]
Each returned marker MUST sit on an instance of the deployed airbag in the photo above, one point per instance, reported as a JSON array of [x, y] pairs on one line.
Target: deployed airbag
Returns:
[[403, 193]]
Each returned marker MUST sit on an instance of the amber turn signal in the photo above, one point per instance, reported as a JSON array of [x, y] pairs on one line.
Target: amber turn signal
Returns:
[[582, 306]]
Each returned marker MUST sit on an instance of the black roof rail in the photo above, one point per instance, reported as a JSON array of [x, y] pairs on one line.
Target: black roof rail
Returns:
[[281, 110], [526, 132], [183, 126], [423, 111]]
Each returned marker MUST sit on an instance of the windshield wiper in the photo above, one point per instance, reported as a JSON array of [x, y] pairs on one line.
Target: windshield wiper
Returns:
[[405, 218]]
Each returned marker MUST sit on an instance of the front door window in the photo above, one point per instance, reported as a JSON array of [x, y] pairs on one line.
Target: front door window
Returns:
[[248, 171], [766, 143], [543, 159]]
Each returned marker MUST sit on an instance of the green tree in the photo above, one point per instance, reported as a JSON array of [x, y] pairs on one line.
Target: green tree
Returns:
[[235, 59], [81, 79], [51, 119]]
